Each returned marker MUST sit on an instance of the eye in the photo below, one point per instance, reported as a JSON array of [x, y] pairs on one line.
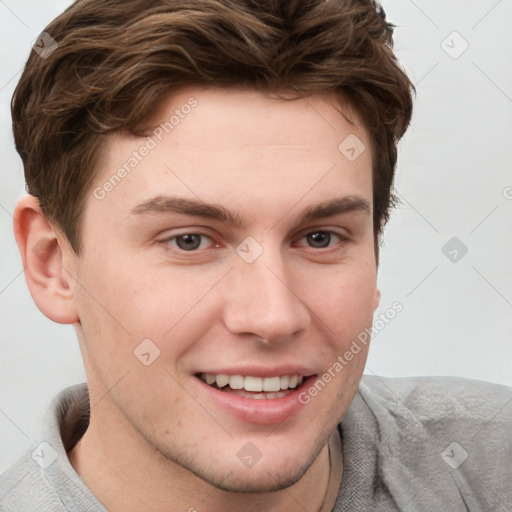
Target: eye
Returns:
[[320, 239], [189, 241]]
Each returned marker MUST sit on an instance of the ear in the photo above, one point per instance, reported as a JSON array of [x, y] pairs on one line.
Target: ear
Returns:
[[41, 249], [376, 300]]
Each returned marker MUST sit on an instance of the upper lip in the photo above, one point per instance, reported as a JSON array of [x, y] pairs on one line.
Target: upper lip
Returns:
[[258, 371]]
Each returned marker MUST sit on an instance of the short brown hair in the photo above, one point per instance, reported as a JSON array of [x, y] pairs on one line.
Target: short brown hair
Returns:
[[117, 59]]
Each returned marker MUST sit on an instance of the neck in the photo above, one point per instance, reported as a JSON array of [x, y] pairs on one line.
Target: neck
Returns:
[[126, 474]]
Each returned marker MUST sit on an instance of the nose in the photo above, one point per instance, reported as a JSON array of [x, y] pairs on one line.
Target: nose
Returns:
[[261, 301]]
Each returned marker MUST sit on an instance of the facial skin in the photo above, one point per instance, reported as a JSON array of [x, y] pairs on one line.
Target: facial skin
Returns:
[[158, 438]]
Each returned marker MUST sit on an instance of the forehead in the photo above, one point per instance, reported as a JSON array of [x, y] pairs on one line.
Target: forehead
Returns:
[[247, 117], [237, 146]]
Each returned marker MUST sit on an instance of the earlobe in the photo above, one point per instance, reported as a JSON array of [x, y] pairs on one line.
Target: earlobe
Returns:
[[42, 256], [376, 299]]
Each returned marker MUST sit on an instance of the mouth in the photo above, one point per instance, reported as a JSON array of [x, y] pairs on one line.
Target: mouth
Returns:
[[260, 396], [253, 387]]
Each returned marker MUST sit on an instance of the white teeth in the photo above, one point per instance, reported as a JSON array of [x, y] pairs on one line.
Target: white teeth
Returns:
[[236, 382], [253, 384], [280, 394], [222, 380], [269, 385]]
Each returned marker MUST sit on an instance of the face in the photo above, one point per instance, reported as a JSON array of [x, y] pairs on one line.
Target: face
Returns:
[[238, 249]]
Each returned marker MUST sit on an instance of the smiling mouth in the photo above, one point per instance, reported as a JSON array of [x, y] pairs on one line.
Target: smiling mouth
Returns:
[[258, 388]]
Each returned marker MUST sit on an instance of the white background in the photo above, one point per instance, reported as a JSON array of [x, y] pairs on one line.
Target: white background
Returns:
[[455, 165]]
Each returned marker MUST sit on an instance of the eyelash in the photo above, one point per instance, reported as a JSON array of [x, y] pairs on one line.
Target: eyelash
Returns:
[[341, 239]]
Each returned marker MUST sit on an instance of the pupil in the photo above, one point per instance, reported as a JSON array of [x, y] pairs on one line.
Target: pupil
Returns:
[[319, 239], [188, 242]]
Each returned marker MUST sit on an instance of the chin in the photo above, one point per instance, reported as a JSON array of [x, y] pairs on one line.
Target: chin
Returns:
[[267, 475], [253, 480]]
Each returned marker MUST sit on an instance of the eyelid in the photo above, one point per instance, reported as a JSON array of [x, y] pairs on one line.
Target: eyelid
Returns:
[[199, 231], [169, 233], [204, 231], [341, 237], [341, 232]]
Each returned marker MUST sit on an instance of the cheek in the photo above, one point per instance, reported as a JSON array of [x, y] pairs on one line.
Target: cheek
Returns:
[[121, 305], [343, 300]]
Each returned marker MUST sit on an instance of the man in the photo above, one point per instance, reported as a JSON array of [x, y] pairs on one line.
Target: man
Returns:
[[208, 182]]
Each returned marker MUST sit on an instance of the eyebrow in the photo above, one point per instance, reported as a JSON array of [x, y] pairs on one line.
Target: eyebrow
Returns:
[[335, 206], [173, 204], [197, 208]]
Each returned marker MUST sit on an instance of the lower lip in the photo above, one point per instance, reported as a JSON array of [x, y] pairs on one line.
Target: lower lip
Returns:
[[265, 411]]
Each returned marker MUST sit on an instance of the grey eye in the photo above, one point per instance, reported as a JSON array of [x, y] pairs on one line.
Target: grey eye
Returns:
[[188, 242], [319, 239]]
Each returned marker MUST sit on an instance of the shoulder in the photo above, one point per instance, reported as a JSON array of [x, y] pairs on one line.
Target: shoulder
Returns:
[[441, 401], [23, 487], [441, 408], [43, 478], [448, 438]]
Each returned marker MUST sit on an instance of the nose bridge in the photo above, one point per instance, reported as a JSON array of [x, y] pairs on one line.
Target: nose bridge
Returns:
[[261, 300]]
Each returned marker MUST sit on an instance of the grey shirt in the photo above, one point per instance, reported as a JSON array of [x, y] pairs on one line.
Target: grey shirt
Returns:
[[409, 444]]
